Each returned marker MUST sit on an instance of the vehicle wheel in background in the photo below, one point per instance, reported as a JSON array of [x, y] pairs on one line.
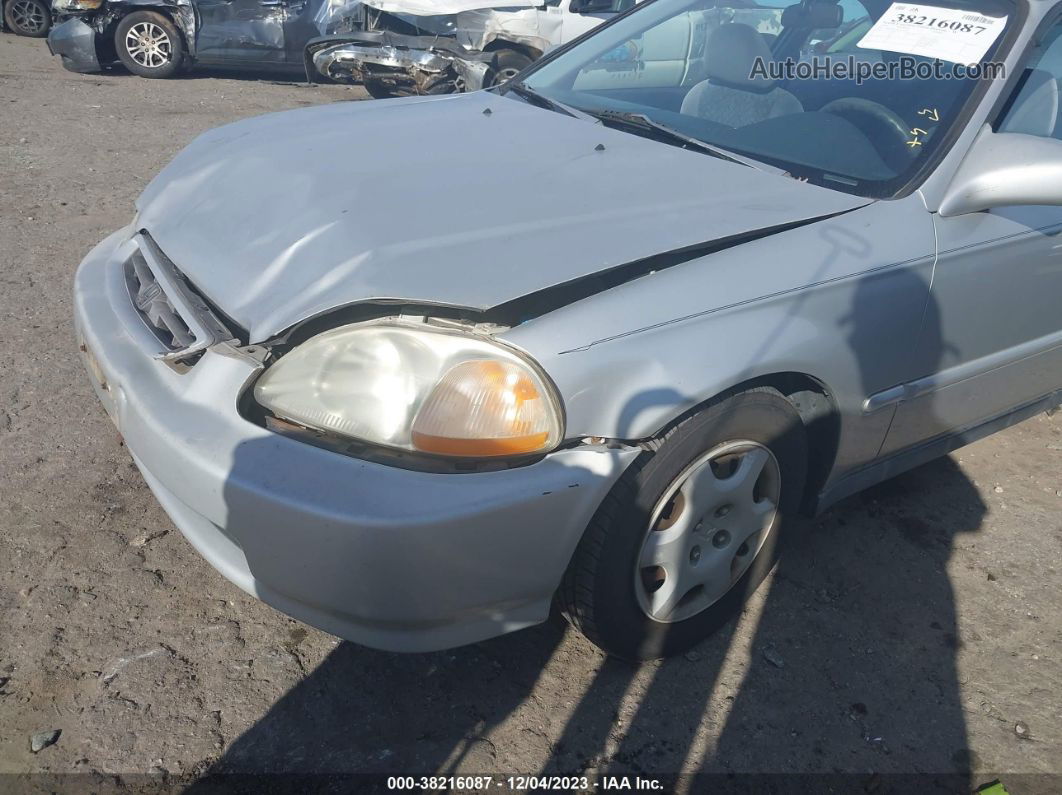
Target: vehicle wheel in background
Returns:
[[690, 530], [505, 65], [28, 17], [439, 85], [149, 45], [444, 84], [379, 90]]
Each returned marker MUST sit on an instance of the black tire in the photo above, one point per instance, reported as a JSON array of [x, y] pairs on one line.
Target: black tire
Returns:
[[170, 45], [441, 85], [505, 64], [598, 594], [32, 18], [378, 90]]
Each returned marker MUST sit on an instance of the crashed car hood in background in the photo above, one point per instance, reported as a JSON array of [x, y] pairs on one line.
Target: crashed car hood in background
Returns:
[[432, 7], [434, 200]]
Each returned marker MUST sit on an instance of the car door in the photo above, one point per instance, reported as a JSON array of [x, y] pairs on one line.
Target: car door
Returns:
[[579, 16], [995, 319], [247, 31], [301, 25]]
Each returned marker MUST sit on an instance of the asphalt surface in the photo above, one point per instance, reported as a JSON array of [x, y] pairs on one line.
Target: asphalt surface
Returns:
[[915, 629]]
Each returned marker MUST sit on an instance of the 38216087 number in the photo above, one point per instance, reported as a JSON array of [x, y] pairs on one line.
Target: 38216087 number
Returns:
[[943, 24]]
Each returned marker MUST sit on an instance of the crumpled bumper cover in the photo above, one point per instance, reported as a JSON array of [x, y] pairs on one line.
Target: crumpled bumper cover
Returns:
[[74, 41], [386, 557], [391, 55]]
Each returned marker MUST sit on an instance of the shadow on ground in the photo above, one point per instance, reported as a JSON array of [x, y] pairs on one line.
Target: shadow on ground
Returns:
[[200, 72], [852, 669]]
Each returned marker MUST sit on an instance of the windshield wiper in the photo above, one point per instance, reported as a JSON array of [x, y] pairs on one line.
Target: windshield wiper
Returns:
[[521, 89], [661, 132], [639, 121]]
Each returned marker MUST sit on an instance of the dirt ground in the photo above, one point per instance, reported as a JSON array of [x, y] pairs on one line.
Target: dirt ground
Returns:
[[915, 629]]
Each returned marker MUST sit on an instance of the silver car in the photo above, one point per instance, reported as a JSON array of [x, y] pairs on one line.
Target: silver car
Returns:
[[414, 370]]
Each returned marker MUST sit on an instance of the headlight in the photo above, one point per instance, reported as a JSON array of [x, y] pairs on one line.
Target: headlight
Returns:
[[415, 388]]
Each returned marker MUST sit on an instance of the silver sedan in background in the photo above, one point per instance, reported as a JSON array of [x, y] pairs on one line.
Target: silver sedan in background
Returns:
[[414, 370]]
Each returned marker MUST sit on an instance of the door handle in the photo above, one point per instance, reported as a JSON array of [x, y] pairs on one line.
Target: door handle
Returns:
[[270, 2]]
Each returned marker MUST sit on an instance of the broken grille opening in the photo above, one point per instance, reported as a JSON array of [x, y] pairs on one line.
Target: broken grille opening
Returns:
[[178, 317], [155, 306]]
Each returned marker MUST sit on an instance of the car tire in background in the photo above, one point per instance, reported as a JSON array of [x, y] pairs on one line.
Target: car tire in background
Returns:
[[690, 530], [31, 18], [149, 45], [442, 84], [379, 90], [505, 65]]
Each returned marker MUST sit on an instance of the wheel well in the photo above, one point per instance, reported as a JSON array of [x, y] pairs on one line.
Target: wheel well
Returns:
[[822, 422], [162, 10], [504, 44], [813, 402]]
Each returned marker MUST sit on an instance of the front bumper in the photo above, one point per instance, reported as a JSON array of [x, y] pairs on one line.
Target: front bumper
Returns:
[[409, 62], [386, 557], [74, 41]]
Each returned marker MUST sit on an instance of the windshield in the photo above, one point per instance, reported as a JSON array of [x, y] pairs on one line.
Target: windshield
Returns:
[[853, 95]]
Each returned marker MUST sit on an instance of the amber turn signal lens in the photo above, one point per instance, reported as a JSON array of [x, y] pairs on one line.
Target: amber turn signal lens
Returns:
[[487, 408]]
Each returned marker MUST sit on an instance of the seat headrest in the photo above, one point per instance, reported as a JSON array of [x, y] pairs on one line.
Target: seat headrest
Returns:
[[730, 54]]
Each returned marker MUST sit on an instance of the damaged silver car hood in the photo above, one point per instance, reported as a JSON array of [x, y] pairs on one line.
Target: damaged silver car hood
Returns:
[[467, 200]]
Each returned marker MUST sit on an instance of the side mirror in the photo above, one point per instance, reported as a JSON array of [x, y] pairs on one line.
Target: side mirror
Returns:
[[1006, 169]]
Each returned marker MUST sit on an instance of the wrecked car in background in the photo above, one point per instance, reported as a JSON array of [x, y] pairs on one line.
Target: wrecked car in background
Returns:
[[404, 47], [159, 38]]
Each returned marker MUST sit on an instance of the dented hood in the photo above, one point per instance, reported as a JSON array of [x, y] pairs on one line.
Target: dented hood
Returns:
[[433, 200]]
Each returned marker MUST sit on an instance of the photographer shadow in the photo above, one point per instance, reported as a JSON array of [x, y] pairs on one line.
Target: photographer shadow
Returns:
[[843, 666]]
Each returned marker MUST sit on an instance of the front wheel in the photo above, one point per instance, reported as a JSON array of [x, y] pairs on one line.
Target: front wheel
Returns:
[[379, 90], [690, 530], [505, 65], [28, 17], [442, 84], [149, 45]]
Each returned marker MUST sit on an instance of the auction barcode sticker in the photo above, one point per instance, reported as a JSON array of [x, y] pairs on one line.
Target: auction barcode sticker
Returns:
[[949, 34]]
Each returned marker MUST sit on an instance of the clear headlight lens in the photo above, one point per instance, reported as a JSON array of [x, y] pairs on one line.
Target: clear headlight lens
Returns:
[[415, 388]]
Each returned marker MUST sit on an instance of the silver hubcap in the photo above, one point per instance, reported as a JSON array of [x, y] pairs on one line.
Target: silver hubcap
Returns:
[[148, 45], [28, 17], [707, 529]]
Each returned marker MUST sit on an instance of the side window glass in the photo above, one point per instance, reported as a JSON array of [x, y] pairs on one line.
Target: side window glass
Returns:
[[1035, 108], [657, 58]]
